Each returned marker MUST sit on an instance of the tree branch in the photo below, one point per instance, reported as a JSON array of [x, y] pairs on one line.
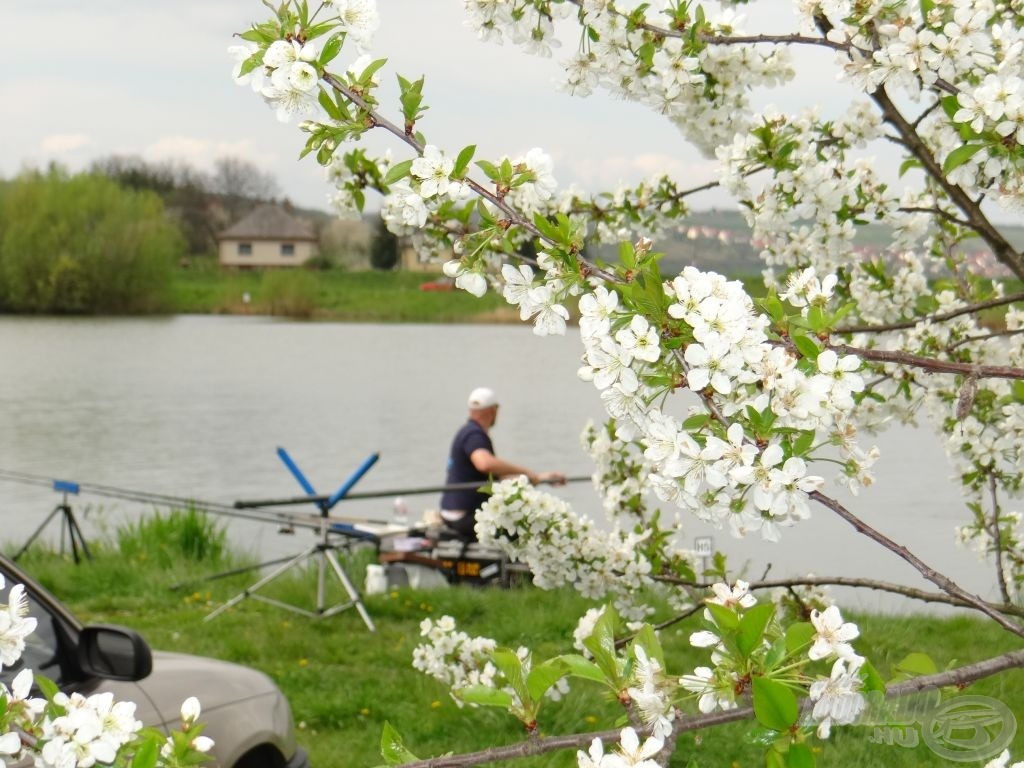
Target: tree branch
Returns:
[[936, 318], [960, 677], [940, 580], [1007, 608], [930, 364], [979, 222]]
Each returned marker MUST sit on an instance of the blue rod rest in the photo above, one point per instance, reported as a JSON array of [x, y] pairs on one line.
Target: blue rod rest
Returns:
[[339, 494], [296, 472], [65, 486]]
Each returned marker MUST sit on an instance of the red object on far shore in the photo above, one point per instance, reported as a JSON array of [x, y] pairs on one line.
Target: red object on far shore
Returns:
[[442, 284]]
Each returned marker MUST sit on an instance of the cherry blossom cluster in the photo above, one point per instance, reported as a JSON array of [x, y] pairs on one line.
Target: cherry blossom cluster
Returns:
[[452, 657], [92, 730], [703, 89], [561, 548], [461, 663], [716, 470]]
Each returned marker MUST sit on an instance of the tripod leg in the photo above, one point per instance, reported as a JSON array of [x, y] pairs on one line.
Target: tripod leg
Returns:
[[321, 572], [261, 583], [352, 593], [77, 537], [35, 534]]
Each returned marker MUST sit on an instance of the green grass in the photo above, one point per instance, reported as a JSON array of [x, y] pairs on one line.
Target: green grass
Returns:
[[344, 682], [327, 295]]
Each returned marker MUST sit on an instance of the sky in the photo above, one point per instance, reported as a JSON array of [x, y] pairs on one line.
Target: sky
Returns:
[[152, 78]]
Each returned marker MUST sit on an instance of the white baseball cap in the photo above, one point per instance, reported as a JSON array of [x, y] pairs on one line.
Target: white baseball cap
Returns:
[[481, 398]]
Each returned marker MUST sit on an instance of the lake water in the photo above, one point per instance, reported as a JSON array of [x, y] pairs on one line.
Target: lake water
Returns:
[[196, 407]]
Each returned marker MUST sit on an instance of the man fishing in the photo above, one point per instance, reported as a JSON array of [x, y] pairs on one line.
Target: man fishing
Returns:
[[472, 460]]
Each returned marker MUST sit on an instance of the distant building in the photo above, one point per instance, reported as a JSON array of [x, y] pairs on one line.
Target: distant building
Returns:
[[270, 236]]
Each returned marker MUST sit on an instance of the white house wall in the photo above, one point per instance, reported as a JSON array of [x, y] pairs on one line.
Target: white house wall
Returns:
[[265, 253]]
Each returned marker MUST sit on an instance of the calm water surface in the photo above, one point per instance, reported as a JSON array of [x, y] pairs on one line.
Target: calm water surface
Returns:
[[196, 407]]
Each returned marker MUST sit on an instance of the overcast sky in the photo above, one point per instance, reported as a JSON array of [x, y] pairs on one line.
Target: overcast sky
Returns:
[[152, 78]]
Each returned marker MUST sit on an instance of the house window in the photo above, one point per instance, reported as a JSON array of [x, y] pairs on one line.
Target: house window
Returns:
[[245, 249], [287, 249]]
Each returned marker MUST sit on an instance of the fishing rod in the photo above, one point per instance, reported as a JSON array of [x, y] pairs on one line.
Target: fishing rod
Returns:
[[167, 500], [421, 490]]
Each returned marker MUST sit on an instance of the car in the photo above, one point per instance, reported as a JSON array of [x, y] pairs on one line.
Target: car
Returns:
[[246, 714]]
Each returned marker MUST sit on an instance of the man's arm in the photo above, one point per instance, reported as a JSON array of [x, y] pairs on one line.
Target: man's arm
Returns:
[[489, 464]]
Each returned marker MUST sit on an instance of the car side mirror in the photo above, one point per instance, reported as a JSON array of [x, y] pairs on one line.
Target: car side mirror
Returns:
[[114, 653]]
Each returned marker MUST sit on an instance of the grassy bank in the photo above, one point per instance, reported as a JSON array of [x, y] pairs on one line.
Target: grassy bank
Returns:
[[327, 295], [344, 683]]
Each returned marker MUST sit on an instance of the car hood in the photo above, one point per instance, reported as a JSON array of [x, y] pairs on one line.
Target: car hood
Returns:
[[176, 676]]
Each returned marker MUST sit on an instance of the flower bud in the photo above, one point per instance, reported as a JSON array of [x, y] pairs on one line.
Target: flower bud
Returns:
[[190, 710]]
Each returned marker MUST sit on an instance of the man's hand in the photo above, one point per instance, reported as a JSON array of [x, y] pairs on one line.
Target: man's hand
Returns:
[[551, 478]]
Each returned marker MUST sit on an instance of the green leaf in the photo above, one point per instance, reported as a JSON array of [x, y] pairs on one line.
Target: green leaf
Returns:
[[775, 654], [752, 627], [253, 36], [647, 639], [917, 664], [724, 617], [374, 66], [48, 688], [145, 756], [775, 705], [546, 228], [872, 680], [798, 636], [799, 756], [462, 161], [543, 676], [816, 318], [485, 696], [251, 63], [773, 306], [601, 644], [511, 666], [806, 346], [950, 105], [489, 169], [959, 156], [329, 105], [908, 164], [803, 443], [331, 49], [581, 667], [392, 748], [697, 421], [397, 171]]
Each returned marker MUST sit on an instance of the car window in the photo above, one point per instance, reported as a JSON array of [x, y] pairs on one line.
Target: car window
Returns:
[[42, 647]]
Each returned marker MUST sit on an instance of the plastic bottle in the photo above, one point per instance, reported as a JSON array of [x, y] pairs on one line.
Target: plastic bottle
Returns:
[[401, 512]]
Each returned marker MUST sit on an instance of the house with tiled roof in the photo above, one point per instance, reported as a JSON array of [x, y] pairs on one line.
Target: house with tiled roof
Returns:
[[270, 236]]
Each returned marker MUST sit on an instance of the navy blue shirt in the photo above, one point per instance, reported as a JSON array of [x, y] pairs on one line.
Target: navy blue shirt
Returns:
[[461, 470]]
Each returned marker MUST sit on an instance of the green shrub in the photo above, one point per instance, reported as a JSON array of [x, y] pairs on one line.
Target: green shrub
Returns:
[[291, 293], [82, 244], [179, 535]]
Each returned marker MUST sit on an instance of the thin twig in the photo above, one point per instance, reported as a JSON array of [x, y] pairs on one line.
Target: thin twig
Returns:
[[940, 580], [924, 596], [930, 364], [997, 538], [936, 318], [985, 337]]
